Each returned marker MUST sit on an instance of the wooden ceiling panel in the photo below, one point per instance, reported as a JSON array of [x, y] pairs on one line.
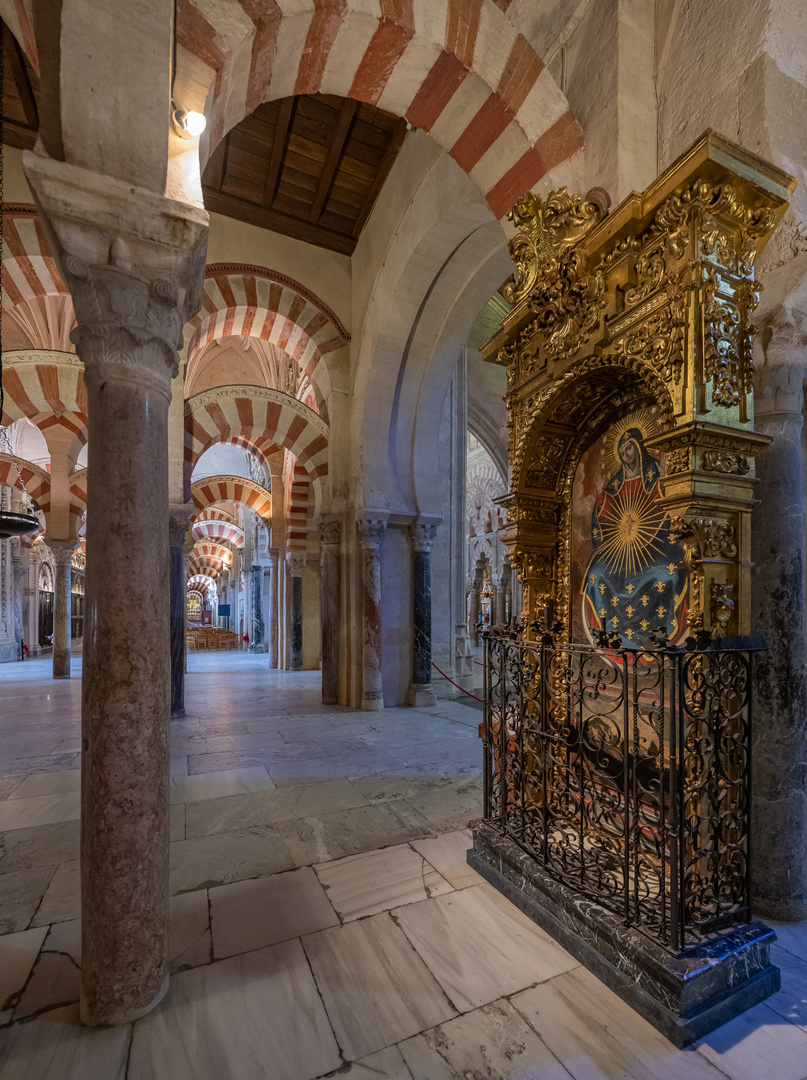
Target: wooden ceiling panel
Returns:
[[20, 95], [310, 166]]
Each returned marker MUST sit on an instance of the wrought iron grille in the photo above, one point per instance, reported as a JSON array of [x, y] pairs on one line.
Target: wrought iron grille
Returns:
[[625, 774]]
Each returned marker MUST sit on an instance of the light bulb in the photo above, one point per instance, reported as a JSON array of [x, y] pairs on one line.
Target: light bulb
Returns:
[[189, 124]]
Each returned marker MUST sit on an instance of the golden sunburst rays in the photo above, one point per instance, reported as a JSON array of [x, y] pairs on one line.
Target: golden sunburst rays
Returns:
[[630, 523], [643, 419]]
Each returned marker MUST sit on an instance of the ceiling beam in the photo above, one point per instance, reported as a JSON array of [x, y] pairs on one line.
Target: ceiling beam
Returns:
[[284, 118], [244, 210], [346, 114], [394, 145]]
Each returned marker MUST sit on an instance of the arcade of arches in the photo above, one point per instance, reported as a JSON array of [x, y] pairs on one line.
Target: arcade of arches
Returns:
[[246, 384]]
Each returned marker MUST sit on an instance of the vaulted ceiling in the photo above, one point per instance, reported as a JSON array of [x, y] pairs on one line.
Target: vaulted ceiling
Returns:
[[309, 166]]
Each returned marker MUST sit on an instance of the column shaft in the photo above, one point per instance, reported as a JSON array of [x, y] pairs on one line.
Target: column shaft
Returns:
[[330, 533], [274, 659], [372, 695], [62, 606], [177, 528], [296, 566], [256, 631], [420, 691]]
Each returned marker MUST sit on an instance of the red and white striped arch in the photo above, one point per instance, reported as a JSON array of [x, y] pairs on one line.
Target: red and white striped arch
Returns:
[[253, 301], [216, 513], [208, 529], [214, 550], [261, 419], [47, 388], [297, 502], [29, 269], [201, 564], [200, 583], [36, 480], [458, 69], [215, 489]]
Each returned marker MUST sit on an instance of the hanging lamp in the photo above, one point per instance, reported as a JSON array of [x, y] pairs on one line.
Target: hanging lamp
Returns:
[[11, 523]]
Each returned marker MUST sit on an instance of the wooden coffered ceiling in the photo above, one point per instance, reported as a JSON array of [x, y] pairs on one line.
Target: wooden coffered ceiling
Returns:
[[20, 95], [310, 166]]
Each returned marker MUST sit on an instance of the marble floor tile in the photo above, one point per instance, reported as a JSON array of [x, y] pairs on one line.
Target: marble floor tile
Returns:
[[479, 946], [243, 743], [384, 1065], [18, 953], [216, 785], [375, 987], [375, 881], [760, 1043], [46, 845], [791, 1001], [21, 893], [792, 937], [9, 784], [448, 854], [230, 762], [492, 1042], [597, 1036], [347, 832], [268, 807], [39, 810], [56, 1046], [253, 914], [206, 861], [447, 810], [62, 900], [189, 931], [48, 784], [12, 763], [56, 978], [257, 1016], [177, 822]]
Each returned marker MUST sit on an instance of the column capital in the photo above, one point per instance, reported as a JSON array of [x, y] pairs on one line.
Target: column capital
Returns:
[[62, 551], [296, 564], [330, 529], [179, 516], [133, 261], [371, 530], [781, 369], [422, 535], [274, 557]]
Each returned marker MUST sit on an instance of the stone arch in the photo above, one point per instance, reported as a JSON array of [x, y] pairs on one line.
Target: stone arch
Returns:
[[216, 513], [36, 480], [215, 489], [197, 564], [261, 418], [213, 529], [215, 550], [29, 269], [495, 109], [297, 507], [200, 583], [47, 388], [254, 301]]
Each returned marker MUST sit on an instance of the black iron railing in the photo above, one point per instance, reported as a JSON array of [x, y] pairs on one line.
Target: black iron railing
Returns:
[[625, 773]]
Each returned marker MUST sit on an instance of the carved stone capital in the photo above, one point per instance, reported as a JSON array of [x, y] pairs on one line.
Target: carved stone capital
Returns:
[[179, 517], [371, 530], [274, 557], [296, 564], [133, 261], [422, 535], [62, 551], [782, 367], [330, 530]]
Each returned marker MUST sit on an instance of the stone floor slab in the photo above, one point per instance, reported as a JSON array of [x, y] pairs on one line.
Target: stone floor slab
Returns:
[[207, 861], [447, 854], [216, 785], [18, 953], [58, 1047], [21, 893], [39, 810], [347, 832]]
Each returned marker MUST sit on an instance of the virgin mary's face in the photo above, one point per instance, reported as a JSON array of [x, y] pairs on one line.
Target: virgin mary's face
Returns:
[[629, 456]]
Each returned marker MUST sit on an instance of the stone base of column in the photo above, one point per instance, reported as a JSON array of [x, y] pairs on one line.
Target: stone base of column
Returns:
[[370, 704], [420, 695], [129, 1017], [178, 713]]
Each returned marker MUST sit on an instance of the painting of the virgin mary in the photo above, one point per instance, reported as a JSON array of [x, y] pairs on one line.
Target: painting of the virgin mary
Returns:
[[635, 580]]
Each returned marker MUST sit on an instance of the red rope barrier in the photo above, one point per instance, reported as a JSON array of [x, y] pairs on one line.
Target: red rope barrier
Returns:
[[456, 684]]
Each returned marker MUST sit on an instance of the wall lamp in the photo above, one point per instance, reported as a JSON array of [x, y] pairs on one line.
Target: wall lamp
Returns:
[[188, 125]]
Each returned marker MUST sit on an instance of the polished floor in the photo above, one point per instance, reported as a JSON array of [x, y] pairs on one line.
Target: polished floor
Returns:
[[323, 918]]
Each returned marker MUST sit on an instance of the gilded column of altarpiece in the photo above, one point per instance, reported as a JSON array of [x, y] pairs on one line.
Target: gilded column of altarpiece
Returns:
[[644, 312]]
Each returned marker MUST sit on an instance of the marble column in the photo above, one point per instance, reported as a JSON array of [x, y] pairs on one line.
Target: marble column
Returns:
[[779, 752], [420, 690], [330, 531], [62, 605], [256, 629], [371, 531], [133, 261], [500, 612], [274, 658], [296, 567], [476, 606], [178, 518]]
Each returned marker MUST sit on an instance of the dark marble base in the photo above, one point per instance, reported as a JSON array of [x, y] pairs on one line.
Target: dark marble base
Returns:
[[684, 996]]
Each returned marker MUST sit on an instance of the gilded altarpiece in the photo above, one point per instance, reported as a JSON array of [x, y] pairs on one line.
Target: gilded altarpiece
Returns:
[[628, 350]]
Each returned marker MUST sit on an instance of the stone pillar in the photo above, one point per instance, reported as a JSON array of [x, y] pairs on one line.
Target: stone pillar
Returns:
[[274, 659], [62, 604], [178, 518], [134, 262], [371, 531], [476, 604], [296, 568], [330, 531], [420, 690], [256, 629], [500, 606], [778, 782]]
